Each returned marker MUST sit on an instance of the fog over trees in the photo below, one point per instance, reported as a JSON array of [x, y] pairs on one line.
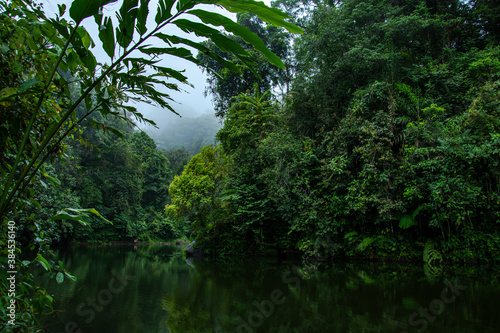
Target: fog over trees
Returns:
[[189, 132]]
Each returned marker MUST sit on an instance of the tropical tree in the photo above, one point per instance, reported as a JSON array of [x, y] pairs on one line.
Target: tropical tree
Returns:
[[52, 83], [198, 192]]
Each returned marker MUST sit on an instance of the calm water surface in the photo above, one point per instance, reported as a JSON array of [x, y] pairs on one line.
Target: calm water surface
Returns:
[[154, 289]]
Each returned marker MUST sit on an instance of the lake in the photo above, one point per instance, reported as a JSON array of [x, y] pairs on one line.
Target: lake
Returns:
[[154, 289]]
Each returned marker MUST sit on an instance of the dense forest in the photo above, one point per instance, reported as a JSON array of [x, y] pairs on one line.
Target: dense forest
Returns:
[[381, 136], [125, 179], [370, 127]]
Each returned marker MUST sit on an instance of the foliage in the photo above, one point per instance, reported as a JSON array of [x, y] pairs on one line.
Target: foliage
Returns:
[[198, 192], [431, 255], [225, 85], [127, 180], [52, 85], [388, 139]]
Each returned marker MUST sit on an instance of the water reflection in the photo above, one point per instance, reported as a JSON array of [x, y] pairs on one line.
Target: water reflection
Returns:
[[154, 289]]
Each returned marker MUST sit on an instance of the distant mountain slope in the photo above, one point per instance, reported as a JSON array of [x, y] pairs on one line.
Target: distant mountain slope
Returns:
[[189, 132]]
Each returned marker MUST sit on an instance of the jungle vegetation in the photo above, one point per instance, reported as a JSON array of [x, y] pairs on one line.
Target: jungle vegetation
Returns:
[[68, 149], [381, 136], [372, 126]]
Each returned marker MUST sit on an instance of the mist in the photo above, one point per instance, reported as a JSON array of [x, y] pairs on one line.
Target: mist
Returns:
[[190, 133]]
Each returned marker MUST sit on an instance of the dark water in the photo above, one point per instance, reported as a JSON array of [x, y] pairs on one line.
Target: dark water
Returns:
[[154, 289]]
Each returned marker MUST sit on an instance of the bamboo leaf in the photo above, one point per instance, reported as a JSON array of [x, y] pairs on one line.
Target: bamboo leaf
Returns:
[[107, 36], [149, 62], [172, 73], [142, 16], [164, 9], [81, 9], [178, 51], [222, 42], [183, 5], [53, 180], [239, 30], [200, 47], [270, 15], [28, 84], [175, 51], [126, 22]]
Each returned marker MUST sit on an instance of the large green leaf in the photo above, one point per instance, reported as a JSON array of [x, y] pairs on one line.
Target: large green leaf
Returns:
[[200, 47], [78, 45], [126, 22], [172, 73], [224, 43], [239, 30], [183, 5], [164, 10], [81, 9], [142, 16], [28, 84], [72, 60], [107, 36], [45, 264], [77, 215], [61, 27], [90, 61], [85, 37], [81, 42], [270, 15]]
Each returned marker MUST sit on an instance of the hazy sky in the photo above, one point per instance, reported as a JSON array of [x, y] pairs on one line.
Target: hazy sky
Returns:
[[190, 103]]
